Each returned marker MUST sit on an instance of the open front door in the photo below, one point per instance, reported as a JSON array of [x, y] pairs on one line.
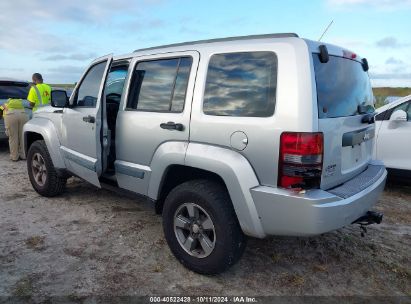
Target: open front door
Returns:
[[82, 123]]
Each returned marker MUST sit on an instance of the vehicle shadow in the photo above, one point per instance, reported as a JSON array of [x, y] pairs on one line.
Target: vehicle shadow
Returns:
[[4, 145], [394, 182]]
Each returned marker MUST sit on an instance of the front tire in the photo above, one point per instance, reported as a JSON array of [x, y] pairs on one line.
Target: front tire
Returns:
[[43, 176], [201, 227]]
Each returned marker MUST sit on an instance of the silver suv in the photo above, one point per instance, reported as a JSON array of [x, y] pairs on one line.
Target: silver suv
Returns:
[[257, 136]]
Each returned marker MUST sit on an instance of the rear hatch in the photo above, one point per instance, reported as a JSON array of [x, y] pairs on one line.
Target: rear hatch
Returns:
[[344, 98]]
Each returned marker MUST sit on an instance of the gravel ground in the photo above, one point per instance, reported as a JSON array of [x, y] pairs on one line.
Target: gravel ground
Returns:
[[95, 242]]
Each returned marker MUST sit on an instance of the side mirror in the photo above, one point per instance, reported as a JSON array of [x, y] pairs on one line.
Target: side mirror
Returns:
[[59, 98], [398, 115]]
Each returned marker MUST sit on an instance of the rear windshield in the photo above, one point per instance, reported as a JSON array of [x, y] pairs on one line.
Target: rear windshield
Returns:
[[343, 88], [11, 89]]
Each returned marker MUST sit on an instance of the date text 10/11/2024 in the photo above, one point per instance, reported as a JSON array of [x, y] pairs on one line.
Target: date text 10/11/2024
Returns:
[[203, 299]]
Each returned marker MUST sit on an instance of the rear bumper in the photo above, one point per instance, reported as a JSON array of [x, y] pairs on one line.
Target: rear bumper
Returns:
[[285, 212]]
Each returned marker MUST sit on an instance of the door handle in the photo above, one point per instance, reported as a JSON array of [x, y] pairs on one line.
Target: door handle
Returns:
[[172, 126], [89, 119]]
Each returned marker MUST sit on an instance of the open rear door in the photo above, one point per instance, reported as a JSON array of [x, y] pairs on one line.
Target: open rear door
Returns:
[[82, 123]]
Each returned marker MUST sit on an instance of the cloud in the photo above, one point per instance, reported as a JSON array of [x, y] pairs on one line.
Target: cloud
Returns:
[[73, 10], [75, 56], [394, 61], [12, 69], [138, 25], [14, 38], [63, 74], [390, 42], [47, 31], [189, 30], [391, 76], [349, 42], [379, 4], [36, 25], [67, 69], [392, 72], [390, 83]]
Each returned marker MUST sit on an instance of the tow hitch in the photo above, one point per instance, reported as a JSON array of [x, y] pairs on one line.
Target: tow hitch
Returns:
[[371, 217]]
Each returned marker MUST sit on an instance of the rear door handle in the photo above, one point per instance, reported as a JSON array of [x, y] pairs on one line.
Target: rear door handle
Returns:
[[89, 119], [172, 126]]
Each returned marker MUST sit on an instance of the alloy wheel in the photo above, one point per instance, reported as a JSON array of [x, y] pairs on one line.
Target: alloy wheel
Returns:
[[194, 230], [39, 169]]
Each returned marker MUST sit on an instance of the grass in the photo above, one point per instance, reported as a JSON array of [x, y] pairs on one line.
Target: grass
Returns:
[[382, 93], [392, 91], [23, 288], [293, 280], [62, 85], [36, 242]]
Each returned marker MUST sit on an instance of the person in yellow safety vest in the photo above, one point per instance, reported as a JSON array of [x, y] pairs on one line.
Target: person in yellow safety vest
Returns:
[[14, 118], [40, 93]]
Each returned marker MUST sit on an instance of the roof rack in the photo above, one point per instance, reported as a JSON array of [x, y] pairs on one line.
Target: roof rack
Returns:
[[266, 36]]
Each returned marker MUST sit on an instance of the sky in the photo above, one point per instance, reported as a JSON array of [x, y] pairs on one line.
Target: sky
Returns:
[[60, 38]]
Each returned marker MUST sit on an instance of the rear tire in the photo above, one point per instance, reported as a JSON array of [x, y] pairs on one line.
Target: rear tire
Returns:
[[43, 176], [209, 242]]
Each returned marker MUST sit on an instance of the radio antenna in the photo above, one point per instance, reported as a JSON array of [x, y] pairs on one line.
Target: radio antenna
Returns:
[[326, 29]]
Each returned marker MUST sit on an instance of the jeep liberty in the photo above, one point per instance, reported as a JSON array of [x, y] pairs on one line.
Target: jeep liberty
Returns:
[[234, 137]]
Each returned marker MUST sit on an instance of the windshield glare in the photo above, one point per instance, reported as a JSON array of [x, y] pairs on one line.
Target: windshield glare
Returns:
[[343, 88], [13, 90]]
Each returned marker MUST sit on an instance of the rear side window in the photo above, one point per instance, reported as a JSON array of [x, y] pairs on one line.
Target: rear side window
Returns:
[[160, 85], [343, 88], [241, 84]]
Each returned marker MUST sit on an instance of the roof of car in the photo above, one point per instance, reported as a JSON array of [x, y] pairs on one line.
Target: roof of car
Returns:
[[237, 38], [251, 39], [12, 79], [200, 44]]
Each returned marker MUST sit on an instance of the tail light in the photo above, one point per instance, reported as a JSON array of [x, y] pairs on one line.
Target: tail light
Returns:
[[301, 160]]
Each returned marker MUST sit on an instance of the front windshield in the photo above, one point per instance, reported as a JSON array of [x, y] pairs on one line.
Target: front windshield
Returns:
[[13, 89]]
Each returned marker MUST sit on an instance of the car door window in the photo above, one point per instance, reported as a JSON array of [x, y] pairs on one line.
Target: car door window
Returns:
[[160, 85], [87, 93]]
